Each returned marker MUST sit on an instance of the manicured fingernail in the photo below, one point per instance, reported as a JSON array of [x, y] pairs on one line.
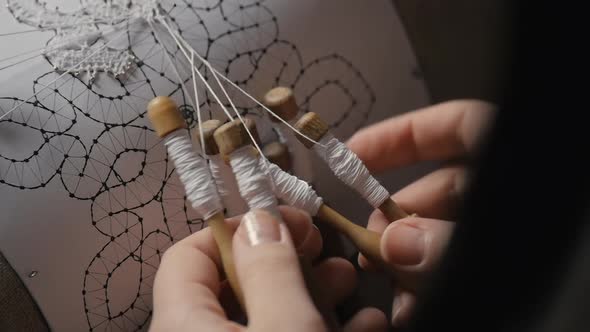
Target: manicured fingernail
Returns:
[[258, 227], [397, 307], [405, 244]]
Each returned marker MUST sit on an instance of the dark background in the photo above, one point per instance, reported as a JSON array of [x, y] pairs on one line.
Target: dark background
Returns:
[[520, 256]]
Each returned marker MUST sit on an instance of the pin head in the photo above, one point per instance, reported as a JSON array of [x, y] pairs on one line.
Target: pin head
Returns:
[[312, 126], [281, 101], [164, 116], [208, 128]]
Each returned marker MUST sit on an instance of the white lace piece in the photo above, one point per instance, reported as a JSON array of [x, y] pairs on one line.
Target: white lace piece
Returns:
[[79, 36]]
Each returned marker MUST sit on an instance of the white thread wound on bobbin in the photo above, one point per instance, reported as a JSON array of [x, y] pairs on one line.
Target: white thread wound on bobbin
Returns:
[[293, 191], [254, 186], [227, 186], [194, 174], [216, 164], [351, 170]]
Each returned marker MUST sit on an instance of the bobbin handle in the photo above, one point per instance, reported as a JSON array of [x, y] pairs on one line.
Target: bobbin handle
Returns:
[[392, 211], [366, 241], [223, 236], [166, 119]]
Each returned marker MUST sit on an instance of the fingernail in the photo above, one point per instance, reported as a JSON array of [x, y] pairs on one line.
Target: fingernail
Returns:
[[405, 244], [258, 227], [397, 307]]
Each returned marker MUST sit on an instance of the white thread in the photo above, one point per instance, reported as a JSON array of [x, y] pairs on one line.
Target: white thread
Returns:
[[195, 70], [293, 191], [227, 187], [265, 108], [351, 170], [282, 136], [217, 75], [197, 106], [254, 186], [194, 174], [194, 103], [213, 72], [216, 164], [226, 190]]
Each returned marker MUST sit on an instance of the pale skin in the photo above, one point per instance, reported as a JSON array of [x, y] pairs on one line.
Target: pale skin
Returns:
[[188, 289], [445, 132]]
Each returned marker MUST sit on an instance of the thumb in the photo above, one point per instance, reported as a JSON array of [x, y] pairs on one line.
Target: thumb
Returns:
[[415, 245], [268, 269]]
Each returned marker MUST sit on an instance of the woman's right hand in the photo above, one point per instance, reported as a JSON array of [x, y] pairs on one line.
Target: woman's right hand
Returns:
[[448, 131]]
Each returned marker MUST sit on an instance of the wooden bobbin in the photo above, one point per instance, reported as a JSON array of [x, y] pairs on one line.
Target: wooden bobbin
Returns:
[[281, 101], [278, 154], [366, 241], [208, 128], [233, 135], [165, 118], [312, 126]]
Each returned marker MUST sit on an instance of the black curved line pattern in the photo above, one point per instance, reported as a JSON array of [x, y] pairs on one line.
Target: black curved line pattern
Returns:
[[92, 137]]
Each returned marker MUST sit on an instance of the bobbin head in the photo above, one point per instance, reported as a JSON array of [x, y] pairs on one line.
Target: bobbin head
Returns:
[[278, 154], [312, 126], [208, 128], [164, 116], [233, 135], [281, 101]]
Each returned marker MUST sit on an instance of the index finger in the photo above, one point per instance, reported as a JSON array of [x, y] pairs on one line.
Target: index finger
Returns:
[[442, 131]]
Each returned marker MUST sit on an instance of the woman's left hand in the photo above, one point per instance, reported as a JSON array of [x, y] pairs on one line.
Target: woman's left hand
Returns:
[[189, 294]]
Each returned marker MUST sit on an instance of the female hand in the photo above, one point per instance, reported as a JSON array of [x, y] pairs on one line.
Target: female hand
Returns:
[[447, 131], [190, 295]]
